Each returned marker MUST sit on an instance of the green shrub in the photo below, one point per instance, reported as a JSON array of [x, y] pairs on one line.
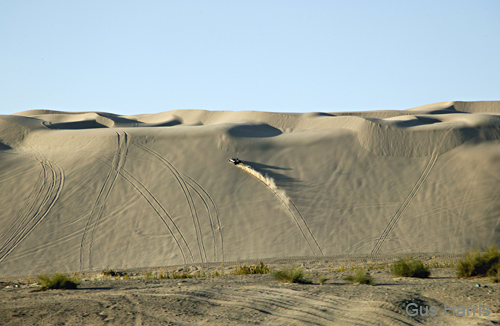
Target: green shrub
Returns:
[[410, 267], [261, 268], [292, 275], [57, 281], [479, 263], [322, 279], [361, 277]]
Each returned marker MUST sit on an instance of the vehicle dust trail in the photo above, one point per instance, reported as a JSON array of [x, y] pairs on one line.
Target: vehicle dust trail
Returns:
[[42, 198], [268, 181], [294, 211]]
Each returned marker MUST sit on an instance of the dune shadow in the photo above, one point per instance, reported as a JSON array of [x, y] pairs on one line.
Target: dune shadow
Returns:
[[324, 114], [254, 131], [86, 124], [317, 114], [93, 124], [449, 110], [270, 171], [116, 118], [167, 123], [260, 166], [417, 122]]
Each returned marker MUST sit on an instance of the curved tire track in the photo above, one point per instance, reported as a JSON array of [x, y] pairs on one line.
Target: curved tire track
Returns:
[[160, 211], [286, 306], [187, 194], [303, 221], [23, 215], [406, 203], [206, 198], [42, 198], [100, 202]]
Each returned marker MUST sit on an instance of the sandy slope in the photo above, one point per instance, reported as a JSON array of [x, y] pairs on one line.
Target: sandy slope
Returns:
[[84, 191]]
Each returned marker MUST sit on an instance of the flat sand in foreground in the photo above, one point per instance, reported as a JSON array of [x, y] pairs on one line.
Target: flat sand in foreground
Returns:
[[257, 300]]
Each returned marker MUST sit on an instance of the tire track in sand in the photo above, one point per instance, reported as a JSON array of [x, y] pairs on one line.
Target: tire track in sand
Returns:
[[100, 202], [160, 211], [206, 199], [286, 306], [406, 203], [42, 198], [23, 215], [290, 206], [187, 195]]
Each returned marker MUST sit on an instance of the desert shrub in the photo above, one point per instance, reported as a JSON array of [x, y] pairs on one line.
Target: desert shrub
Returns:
[[113, 273], [261, 268], [183, 274], [292, 275], [361, 276], [322, 279], [109, 272], [57, 281], [477, 263], [410, 267]]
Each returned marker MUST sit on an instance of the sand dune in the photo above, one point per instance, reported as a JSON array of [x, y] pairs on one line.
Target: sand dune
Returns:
[[85, 191]]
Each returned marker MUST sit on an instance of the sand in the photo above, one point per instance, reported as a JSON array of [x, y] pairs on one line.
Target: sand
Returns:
[[93, 190], [259, 299]]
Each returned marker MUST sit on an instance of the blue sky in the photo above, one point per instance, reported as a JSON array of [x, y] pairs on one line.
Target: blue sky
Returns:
[[132, 57]]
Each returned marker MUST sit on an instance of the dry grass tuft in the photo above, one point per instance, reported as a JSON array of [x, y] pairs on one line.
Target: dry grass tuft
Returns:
[[260, 268], [410, 267], [361, 277], [292, 275], [479, 263], [57, 281]]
